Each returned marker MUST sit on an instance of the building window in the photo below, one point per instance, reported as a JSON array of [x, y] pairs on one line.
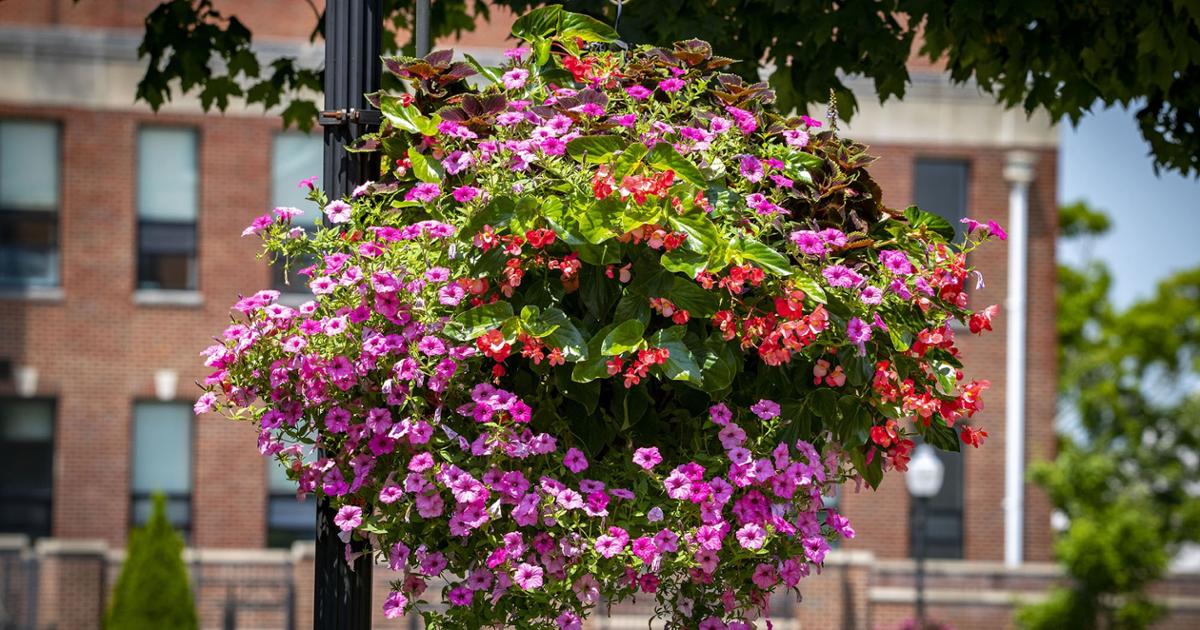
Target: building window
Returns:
[[944, 514], [941, 188], [162, 461], [294, 156], [29, 200], [26, 478], [288, 520], [168, 200]]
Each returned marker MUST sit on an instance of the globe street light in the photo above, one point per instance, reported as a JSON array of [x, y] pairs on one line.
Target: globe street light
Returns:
[[924, 480]]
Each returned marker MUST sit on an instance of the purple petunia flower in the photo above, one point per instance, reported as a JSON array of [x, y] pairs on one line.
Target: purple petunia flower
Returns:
[[841, 276], [575, 461], [423, 192], [647, 458], [338, 211], [765, 409], [349, 517]]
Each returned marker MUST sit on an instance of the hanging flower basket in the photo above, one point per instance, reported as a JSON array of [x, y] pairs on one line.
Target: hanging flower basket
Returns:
[[605, 327]]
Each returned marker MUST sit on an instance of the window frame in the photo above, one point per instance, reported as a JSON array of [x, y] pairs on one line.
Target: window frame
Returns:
[[190, 497], [966, 163], [49, 502], [279, 280], [54, 217], [194, 257]]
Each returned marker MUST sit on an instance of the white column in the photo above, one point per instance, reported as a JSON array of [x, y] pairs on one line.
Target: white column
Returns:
[[1018, 171]]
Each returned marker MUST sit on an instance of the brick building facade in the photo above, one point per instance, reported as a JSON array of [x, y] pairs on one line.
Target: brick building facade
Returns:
[[123, 260]]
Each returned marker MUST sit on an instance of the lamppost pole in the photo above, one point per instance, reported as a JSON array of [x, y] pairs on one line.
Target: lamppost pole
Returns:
[[924, 480], [342, 591], [919, 523]]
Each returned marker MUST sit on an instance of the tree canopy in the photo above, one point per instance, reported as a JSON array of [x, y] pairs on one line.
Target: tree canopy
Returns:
[[1127, 467], [1065, 58]]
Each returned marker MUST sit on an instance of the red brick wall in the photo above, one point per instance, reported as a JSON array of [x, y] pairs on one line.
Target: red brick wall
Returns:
[[96, 351], [881, 517]]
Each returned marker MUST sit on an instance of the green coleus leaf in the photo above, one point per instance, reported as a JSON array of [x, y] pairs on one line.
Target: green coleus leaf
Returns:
[[470, 324], [598, 149], [681, 365], [625, 337], [751, 250], [918, 218], [664, 157], [593, 367], [425, 169], [564, 335]]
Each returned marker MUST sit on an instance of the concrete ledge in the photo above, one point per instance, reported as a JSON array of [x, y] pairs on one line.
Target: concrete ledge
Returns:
[[13, 542], [971, 567], [71, 547], [159, 297], [841, 557], [32, 294], [302, 550], [972, 597]]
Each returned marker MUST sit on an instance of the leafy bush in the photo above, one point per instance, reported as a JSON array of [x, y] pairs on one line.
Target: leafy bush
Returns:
[[152, 592], [608, 325]]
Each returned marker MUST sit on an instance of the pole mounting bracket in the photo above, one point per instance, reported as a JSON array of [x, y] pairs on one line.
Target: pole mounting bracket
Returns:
[[352, 116]]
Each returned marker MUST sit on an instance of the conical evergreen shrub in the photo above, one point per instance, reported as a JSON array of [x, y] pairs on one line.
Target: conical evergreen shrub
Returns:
[[152, 592]]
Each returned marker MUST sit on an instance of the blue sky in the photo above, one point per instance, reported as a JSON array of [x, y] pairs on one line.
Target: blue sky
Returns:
[[1156, 218]]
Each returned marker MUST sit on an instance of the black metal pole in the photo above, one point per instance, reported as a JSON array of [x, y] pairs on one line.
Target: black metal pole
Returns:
[[922, 505], [342, 593]]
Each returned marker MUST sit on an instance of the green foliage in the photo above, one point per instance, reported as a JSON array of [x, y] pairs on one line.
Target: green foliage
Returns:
[[1065, 58], [1123, 477], [152, 591]]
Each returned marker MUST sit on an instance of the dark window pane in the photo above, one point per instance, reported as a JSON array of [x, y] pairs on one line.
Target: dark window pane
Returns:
[[289, 520], [27, 476], [179, 510], [28, 203], [166, 255], [941, 188], [28, 248], [944, 515]]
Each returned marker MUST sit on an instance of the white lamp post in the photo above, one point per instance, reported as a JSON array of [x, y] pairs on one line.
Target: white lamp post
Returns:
[[924, 480]]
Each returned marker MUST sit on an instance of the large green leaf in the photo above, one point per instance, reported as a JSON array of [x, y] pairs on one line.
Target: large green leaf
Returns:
[[703, 234], [632, 306], [425, 169], [811, 288], [599, 221], [687, 295], [664, 157], [681, 364], [598, 149], [628, 160], [470, 324], [565, 335], [594, 366], [919, 218], [407, 118], [552, 21], [625, 337], [767, 258], [718, 363], [938, 435], [684, 261]]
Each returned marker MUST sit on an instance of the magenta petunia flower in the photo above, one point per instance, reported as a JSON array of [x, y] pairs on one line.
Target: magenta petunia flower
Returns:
[[809, 242], [348, 517], [765, 409], [751, 536], [338, 211], [423, 192], [528, 576], [515, 79], [575, 461], [637, 92], [841, 276], [871, 295], [647, 458], [671, 85]]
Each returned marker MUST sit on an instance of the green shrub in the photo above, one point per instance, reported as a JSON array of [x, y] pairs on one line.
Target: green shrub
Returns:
[[153, 592]]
